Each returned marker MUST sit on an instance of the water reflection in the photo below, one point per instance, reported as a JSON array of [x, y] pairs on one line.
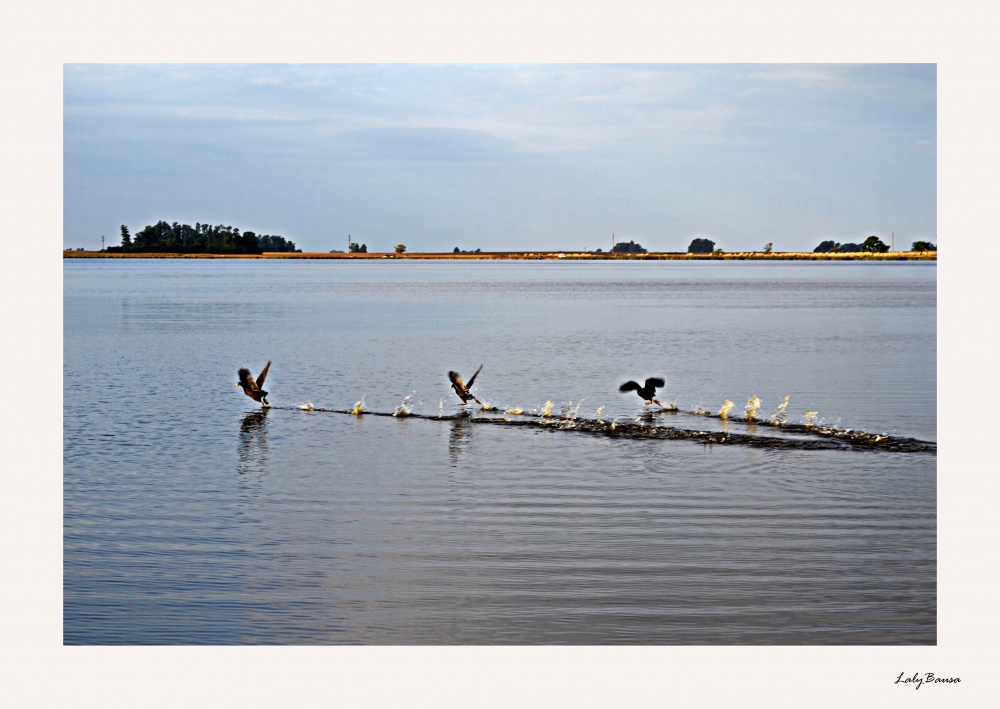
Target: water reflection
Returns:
[[253, 453], [458, 440]]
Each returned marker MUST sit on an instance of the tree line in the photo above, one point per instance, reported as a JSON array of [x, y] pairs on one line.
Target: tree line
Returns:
[[199, 239], [872, 244]]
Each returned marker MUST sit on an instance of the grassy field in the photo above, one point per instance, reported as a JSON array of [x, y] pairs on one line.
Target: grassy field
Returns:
[[546, 255]]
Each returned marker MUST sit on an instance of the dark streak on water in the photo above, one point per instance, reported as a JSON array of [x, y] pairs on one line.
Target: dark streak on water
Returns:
[[191, 516], [818, 438]]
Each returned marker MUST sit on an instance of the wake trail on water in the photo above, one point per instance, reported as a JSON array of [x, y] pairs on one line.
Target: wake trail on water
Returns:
[[811, 436]]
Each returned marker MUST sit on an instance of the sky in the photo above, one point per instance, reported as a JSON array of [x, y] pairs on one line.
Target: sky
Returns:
[[505, 156]]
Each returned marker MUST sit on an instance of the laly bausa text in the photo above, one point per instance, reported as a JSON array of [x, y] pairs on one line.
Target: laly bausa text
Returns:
[[929, 678]]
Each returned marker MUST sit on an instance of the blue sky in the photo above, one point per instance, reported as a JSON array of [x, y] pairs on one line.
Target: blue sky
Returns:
[[505, 156]]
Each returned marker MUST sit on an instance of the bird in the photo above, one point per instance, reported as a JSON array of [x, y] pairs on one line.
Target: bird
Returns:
[[253, 388], [461, 388], [647, 391]]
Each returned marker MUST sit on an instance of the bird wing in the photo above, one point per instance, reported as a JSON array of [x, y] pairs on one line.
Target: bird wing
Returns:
[[456, 379], [629, 386], [247, 379], [474, 376], [654, 382], [263, 375]]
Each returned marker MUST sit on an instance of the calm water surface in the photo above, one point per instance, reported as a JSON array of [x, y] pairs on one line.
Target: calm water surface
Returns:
[[192, 516]]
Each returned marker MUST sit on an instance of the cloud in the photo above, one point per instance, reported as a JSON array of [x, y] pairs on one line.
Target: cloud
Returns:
[[824, 77]]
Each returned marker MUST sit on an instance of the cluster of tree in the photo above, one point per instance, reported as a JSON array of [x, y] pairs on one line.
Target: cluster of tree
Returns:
[[701, 246], [924, 246], [872, 244], [627, 247], [458, 251], [199, 239], [831, 246], [356, 249]]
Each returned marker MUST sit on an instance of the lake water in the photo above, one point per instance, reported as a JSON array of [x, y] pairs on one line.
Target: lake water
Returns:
[[194, 516]]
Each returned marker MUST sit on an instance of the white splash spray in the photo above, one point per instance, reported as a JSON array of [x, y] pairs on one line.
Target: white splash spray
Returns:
[[779, 416], [405, 406]]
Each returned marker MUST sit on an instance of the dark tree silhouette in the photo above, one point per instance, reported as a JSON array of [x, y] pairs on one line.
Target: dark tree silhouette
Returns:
[[874, 245], [826, 247], [924, 246], [200, 239], [701, 246], [627, 247]]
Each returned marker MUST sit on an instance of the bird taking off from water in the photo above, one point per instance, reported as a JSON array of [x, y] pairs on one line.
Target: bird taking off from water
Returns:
[[461, 388], [253, 388], [647, 391]]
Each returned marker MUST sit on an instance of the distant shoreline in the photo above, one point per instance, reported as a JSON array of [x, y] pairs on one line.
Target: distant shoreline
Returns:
[[538, 256]]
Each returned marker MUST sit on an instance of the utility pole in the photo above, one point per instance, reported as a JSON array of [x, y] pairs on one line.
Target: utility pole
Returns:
[[348, 243], [612, 241], [102, 242], [893, 242]]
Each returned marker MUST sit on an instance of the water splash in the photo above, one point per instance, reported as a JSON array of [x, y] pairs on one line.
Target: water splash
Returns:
[[818, 437], [405, 406], [359, 407], [597, 414], [727, 406], [779, 416], [547, 410], [514, 411], [489, 407], [441, 408], [753, 403], [701, 410], [811, 417], [308, 406], [570, 412]]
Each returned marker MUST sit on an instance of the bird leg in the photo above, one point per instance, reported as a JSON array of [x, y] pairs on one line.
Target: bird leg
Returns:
[[657, 402]]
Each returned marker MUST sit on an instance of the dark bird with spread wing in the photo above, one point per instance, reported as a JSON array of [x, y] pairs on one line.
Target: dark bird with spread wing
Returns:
[[647, 391], [461, 388], [252, 388]]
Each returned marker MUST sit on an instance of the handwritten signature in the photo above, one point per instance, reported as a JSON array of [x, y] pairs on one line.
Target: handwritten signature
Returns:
[[929, 678]]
